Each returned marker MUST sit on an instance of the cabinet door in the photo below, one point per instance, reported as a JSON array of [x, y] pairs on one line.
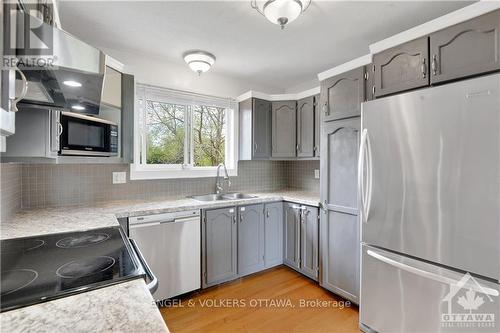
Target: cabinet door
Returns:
[[273, 234], [339, 220], [305, 127], [292, 235], [369, 82], [284, 122], [112, 88], [401, 68], [250, 239], [465, 49], [220, 237], [342, 95], [317, 126], [261, 129], [309, 242]]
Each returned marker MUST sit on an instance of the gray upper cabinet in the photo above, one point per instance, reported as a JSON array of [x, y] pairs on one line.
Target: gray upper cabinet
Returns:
[[284, 122], [219, 246], [317, 126], [401, 68], [305, 127], [273, 234], [309, 242], [339, 219], [465, 49], [342, 95], [250, 239], [255, 129], [291, 235]]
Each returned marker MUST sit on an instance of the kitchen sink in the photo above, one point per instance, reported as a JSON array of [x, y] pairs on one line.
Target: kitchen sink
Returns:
[[219, 197]]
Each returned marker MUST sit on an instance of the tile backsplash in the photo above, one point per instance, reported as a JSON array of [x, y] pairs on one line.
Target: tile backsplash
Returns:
[[55, 185]]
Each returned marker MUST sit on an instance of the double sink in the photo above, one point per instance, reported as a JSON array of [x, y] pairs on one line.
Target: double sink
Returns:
[[221, 197]]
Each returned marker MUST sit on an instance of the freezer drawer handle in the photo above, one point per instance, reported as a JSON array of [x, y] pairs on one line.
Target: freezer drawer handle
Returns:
[[153, 285], [429, 275]]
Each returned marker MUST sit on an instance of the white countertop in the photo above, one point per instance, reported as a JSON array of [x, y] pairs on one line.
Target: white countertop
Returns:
[[125, 307]]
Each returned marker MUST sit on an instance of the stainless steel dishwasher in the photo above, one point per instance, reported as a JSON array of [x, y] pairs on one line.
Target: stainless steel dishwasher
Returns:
[[171, 245]]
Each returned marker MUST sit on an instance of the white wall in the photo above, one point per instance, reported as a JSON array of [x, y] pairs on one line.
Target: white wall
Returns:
[[178, 76]]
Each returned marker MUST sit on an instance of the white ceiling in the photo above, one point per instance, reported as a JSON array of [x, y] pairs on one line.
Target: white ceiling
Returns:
[[246, 45]]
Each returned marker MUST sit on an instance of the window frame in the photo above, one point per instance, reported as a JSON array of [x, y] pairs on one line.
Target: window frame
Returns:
[[140, 170]]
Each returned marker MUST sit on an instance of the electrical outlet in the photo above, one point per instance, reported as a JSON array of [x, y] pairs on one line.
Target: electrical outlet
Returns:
[[119, 177], [316, 174]]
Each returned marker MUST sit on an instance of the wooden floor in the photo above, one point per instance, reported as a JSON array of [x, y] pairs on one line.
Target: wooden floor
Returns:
[[242, 307]]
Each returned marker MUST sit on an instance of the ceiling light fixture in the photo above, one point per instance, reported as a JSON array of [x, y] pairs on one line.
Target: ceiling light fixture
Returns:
[[199, 61], [71, 83], [281, 11]]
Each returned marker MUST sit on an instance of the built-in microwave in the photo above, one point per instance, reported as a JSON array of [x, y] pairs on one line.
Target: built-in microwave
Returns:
[[83, 135]]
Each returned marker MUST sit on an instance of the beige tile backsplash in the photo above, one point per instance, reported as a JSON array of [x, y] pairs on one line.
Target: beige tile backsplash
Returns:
[[25, 186]]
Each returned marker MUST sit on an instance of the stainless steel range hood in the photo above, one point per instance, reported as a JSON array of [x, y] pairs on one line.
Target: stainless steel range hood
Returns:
[[73, 80]]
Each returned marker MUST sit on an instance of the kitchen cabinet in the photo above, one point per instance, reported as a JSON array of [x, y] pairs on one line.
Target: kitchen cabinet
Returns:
[[112, 88], [401, 68], [250, 239], [255, 129], [369, 82], [284, 122], [273, 234], [317, 126], [305, 127], [339, 227], [301, 238], [342, 95], [465, 49], [219, 246]]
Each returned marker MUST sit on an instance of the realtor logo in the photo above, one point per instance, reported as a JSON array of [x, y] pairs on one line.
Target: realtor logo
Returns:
[[469, 305]]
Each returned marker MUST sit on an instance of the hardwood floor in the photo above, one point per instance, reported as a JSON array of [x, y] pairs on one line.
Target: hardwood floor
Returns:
[[240, 306]]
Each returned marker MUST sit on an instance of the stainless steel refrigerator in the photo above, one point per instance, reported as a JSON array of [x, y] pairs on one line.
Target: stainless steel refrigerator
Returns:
[[429, 178]]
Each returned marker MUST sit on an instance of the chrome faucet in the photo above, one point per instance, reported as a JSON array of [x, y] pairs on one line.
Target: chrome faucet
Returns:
[[218, 186]]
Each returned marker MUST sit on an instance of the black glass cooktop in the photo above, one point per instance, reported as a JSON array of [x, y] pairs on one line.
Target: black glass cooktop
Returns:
[[41, 268]]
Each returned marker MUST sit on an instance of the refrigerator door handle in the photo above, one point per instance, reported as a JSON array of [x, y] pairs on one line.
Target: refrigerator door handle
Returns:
[[430, 275], [369, 174], [361, 180]]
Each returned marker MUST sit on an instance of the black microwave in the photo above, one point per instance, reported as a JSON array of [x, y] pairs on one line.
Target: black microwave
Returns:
[[83, 135]]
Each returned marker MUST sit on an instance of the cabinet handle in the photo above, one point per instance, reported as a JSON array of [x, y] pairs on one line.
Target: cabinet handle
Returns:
[[325, 109], [254, 147], [267, 213], [234, 219], [434, 64], [424, 69]]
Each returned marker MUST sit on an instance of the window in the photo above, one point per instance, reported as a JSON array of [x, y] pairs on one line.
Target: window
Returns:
[[180, 134]]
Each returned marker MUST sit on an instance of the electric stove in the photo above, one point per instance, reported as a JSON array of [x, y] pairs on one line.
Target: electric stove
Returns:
[[41, 268]]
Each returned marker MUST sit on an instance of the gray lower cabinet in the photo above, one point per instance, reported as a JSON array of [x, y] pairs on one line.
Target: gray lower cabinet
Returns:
[[284, 122], [342, 95], [401, 68], [273, 234], [339, 227], [465, 49], [219, 246], [250, 239], [305, 127], [317, 126], [301, 238], [255, 129]]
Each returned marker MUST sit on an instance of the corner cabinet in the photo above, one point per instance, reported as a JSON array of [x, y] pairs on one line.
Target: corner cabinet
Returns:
[[301, 238], [342, 95], [305, 127], [403, 67], [219, 246], [339, 227], [465, 49], [273, 237], [255, 129], [250, 239], [284, 122]]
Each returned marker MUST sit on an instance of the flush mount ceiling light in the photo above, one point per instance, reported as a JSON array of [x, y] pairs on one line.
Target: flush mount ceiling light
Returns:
[[281, 11], [199, 61]]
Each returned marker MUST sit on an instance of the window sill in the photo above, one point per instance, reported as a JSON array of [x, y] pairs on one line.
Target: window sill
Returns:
[[140, 173]]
